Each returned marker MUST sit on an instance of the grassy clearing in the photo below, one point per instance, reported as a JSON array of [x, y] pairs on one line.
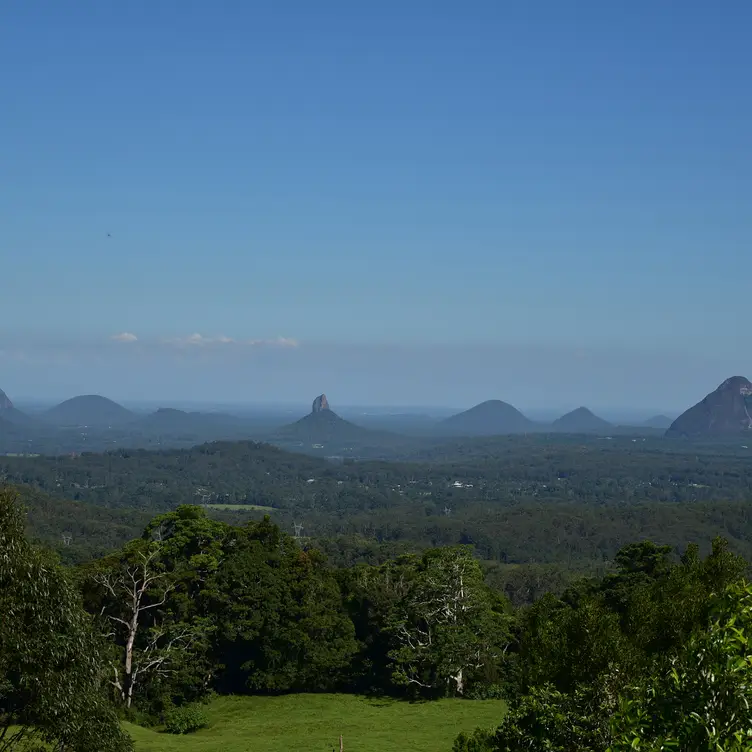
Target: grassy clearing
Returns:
[[313, 723], [240, 507]]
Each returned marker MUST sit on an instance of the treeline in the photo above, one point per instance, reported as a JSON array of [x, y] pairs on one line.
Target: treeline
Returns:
[[656, 655], [517, 470], [570, 502], [196, 605]]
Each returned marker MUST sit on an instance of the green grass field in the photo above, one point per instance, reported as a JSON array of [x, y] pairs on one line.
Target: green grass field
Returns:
[[313, 723], [240, 507]]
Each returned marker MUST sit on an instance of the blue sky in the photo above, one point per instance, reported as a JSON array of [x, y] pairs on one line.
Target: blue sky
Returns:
[[398, 202]]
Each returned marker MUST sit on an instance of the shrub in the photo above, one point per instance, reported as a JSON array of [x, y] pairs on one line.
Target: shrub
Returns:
[[185, 719], [479, 740]]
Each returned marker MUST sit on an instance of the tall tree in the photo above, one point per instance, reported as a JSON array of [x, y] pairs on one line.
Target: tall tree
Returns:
[[51, 661], [281, 625], [447, 628], [133, 591]]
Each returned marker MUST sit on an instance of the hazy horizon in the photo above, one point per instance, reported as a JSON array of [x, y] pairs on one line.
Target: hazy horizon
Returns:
[[393, 205], [543, 379], [298, 409]]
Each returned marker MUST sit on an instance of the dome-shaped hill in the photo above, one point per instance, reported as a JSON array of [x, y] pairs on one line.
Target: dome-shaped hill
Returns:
[[88, 410], [581, 420], [490, 418], [170, 420]]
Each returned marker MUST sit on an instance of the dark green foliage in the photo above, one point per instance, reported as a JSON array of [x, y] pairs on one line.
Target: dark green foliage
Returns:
[[546, 720], [480, 740], [429, 624], [51, 662], [243, 609], [604, 645], [280, 621], [185, 719], [569, 504], [700, 700], [78, 532], [647, 606]]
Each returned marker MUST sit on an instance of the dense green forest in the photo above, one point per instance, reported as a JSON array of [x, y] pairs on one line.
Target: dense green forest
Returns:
[[495, 568], [195, 606], [532, 506]]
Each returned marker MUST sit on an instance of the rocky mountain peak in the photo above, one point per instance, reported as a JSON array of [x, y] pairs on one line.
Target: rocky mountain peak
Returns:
[[5, 403], [320, 403], [737, 385], [724, 412]]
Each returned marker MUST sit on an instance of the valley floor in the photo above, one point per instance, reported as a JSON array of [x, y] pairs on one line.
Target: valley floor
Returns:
[[313, 723]]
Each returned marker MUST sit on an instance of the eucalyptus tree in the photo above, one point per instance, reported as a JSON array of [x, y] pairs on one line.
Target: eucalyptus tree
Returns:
[[52, 688]]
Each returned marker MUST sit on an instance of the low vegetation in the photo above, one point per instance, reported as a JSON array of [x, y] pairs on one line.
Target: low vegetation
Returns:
[[307, 723]]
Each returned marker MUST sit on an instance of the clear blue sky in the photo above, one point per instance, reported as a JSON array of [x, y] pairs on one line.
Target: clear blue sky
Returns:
[[437, 202]]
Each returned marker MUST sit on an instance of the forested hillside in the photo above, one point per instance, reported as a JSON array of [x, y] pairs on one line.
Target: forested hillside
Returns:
[[569, 501]]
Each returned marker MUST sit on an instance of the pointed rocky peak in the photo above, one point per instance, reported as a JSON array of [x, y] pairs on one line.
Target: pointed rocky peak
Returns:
[[5, 403], [320, 404]]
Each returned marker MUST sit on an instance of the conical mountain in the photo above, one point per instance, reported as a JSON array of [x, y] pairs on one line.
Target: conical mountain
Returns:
[[323, 426], [659, 421], [581, 420], [725, 412], [490, 418]]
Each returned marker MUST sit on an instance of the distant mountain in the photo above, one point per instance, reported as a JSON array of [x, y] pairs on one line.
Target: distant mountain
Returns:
[[725, 412], [323, 426], [491, 418], [169, 420], [408, 424], [11, 414], [88, 410], [658, 421], [581, 420]]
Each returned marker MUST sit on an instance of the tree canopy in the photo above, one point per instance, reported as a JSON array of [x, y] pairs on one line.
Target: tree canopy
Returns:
[[51, 660]]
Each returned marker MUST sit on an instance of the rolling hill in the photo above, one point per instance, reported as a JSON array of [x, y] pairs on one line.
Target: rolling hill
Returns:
[[581, 420], [659, 421], [88, 410], [490, 418], [171, 421]]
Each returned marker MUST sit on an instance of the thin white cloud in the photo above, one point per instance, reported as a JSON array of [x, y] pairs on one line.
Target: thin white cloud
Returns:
[[200, 340], [124, 337], [277, 342], [197, 339]]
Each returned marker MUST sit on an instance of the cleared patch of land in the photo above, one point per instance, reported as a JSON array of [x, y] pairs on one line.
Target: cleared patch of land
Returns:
[[240, 507], [313, 723]]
